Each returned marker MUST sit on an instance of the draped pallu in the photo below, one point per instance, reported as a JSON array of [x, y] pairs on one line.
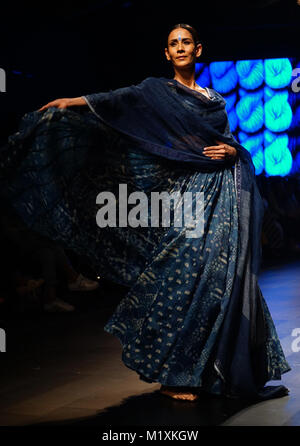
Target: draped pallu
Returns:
[[194, 314]]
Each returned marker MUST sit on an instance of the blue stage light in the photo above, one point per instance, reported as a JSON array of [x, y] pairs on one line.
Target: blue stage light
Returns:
[[254, 145], [202, 75], [278, 158], [278, 72], [230, 100], [233, 120], [250, 112], [259, 98], [224, 76], [278, 113], [296, 164], [295, 125], [269, 137], [250, 73]]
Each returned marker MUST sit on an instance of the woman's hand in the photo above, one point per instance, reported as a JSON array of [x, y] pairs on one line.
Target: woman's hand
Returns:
[[64, 103], [220, 152]]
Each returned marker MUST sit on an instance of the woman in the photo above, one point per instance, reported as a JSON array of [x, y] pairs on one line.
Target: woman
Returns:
[[194, 316]]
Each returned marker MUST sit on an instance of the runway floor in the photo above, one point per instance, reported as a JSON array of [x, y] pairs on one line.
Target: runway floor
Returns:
[[63, 369]]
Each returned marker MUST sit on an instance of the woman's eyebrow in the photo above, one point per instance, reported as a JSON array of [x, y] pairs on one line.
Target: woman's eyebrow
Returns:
[[184, 38]]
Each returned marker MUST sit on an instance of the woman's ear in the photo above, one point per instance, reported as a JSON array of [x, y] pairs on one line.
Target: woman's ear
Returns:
[[198, 50], [167, 54]]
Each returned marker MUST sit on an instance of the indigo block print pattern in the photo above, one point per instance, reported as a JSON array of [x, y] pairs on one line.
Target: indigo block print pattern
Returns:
[[167, 330], [180, 288]]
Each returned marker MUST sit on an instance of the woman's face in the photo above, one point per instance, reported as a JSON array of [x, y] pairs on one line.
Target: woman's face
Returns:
[[182, 51]]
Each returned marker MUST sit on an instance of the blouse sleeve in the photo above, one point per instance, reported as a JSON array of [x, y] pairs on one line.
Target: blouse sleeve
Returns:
[[108, 102]]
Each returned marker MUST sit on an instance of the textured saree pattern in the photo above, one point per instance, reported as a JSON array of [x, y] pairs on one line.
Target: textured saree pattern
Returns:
[[194, 315]]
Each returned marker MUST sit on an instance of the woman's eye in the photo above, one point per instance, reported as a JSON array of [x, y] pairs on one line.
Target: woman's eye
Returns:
[[185, 43]]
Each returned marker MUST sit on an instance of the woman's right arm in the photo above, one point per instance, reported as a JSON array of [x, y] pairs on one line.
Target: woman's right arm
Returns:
[[64, 103]]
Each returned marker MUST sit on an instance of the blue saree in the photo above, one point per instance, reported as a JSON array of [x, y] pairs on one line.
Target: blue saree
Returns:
[[194, 315]]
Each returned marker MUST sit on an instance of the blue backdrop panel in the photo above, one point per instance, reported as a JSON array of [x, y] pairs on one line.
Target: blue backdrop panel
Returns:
[[263, 106]]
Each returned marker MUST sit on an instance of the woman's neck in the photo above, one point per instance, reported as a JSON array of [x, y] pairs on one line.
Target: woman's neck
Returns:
[[187, 79]]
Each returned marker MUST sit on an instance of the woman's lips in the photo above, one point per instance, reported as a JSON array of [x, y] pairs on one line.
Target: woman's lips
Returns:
[[181, 57]]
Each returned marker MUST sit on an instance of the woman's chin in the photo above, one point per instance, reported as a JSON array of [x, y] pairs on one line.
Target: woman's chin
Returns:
[[183, 64]]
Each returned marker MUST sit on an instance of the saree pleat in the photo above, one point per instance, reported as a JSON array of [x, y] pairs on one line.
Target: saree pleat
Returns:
[[169, 321]]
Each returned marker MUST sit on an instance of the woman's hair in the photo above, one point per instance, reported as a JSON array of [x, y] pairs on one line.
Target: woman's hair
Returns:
[[188, 28]]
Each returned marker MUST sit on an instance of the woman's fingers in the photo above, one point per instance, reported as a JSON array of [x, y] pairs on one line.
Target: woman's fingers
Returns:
[[43, 108], [209, 148], [221, 151], [214, 152], [50, 104], [59, 103]]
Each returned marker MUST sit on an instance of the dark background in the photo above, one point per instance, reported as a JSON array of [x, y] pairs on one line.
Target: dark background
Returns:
[[64, 49]]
